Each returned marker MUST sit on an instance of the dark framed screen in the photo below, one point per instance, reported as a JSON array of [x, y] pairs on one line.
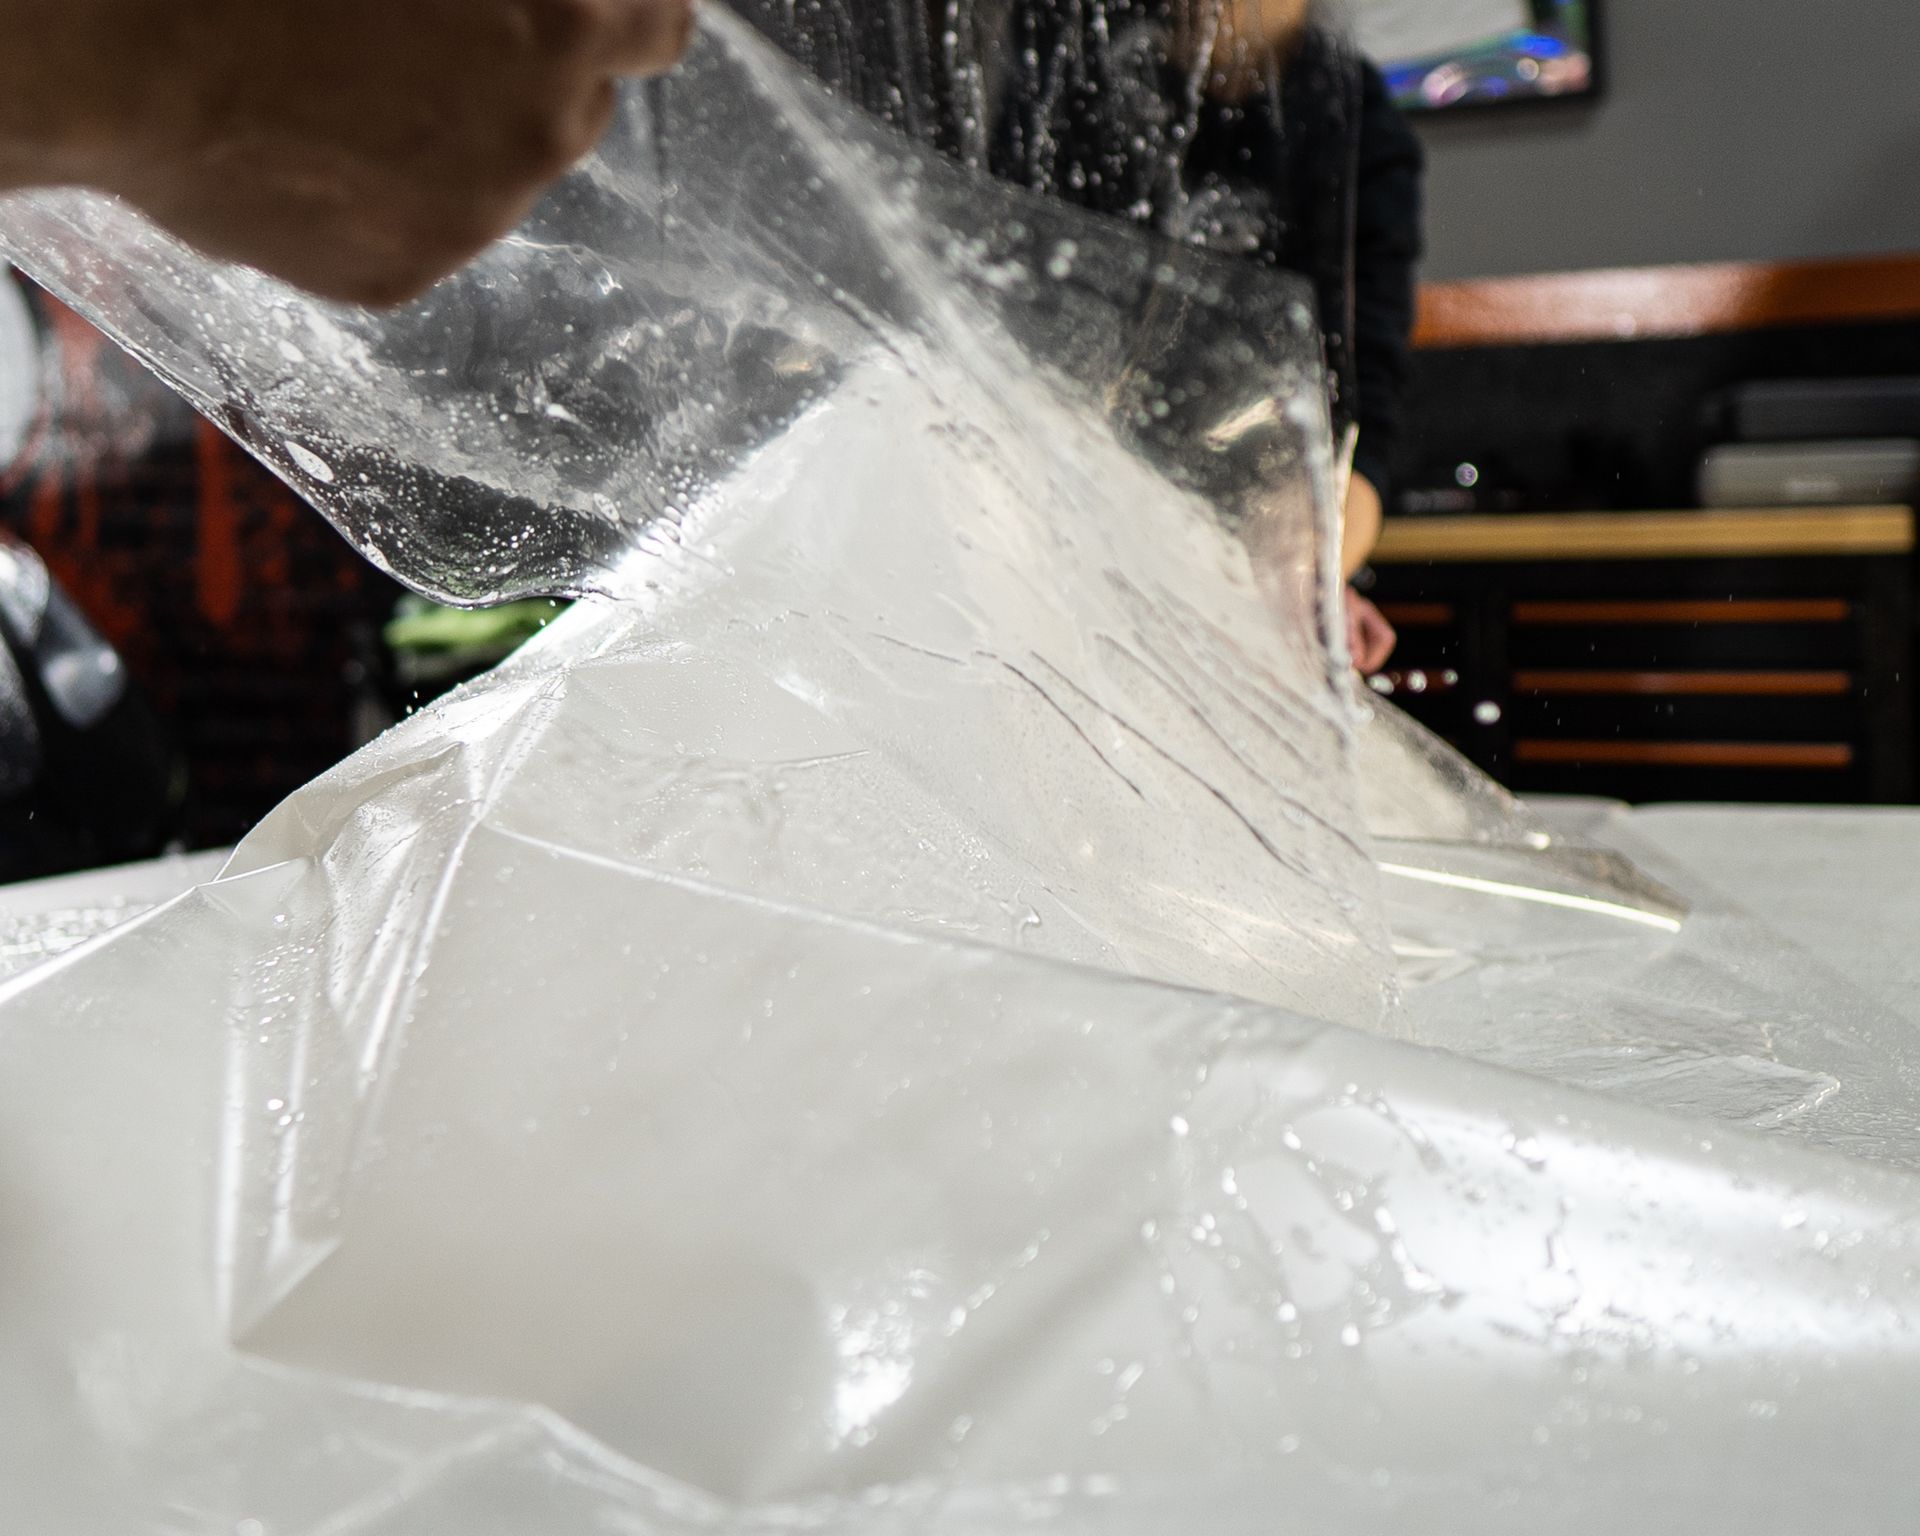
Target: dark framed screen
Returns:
[[1443, 54]]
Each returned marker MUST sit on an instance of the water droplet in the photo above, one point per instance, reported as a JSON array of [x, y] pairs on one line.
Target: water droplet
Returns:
[[309, 462]]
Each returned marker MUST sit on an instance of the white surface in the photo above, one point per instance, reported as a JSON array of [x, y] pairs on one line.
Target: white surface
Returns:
[[893, 1028], [1844, 882], [42, 919], [128, 885], [454, 1165], [19, 370]]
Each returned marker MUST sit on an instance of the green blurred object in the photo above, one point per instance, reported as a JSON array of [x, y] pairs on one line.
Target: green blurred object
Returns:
[[431, 643]]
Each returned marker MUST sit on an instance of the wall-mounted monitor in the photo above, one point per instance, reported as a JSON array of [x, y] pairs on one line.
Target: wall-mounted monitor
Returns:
[[1441, 54]]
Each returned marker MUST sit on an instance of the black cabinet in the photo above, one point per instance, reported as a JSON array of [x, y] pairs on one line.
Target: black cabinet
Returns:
[[1698, 656]]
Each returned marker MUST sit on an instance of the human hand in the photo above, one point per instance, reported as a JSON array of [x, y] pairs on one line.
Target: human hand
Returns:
[[361, 149], [1370, 637]]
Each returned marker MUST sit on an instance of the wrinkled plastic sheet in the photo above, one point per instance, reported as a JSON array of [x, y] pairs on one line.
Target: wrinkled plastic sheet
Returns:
[[1539, 950], [932, 1009]]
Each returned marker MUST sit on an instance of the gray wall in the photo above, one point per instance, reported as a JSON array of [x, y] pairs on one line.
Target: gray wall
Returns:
[[1729, 130]]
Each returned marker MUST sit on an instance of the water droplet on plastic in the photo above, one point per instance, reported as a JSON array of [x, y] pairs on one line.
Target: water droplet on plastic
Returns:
[[308, 462]]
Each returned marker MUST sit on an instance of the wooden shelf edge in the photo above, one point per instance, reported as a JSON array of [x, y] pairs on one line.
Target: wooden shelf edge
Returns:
[[1594, 613], [1637, 303], [1652, 683], [1560, 536], [1816, 757]]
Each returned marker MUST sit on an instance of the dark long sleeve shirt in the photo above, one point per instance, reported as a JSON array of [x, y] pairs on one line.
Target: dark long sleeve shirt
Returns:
[[1320, 175], [1386, 252]]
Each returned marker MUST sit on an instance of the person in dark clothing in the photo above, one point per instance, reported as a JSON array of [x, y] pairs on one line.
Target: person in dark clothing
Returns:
[[1387, 249], [1250, 130], [1240, 126], [1388, 243]]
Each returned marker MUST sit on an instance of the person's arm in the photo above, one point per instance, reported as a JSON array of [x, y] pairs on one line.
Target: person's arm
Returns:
[[362, 149], [1359, 523]]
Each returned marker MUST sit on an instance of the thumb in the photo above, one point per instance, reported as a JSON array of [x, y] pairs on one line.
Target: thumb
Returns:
[[647, 36]]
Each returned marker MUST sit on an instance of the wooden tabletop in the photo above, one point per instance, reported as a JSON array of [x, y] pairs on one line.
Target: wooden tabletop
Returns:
[[1646, 535]]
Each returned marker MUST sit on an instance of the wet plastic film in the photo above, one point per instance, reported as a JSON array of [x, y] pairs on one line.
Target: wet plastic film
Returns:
[[888, 1025]]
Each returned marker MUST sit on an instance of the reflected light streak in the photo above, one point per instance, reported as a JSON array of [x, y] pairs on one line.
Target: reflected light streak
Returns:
[[1534, 894]]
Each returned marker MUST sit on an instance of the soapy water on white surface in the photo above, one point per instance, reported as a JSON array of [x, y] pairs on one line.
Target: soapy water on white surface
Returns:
[[922, 1014], [26, 941]]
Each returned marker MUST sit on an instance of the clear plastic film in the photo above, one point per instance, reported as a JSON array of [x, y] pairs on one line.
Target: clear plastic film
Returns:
[[742, 250], [1525, 943], [897, 1021], [1019, 401]]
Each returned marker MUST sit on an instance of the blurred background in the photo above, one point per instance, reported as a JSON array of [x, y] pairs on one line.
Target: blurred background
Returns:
[[1686, 277]]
